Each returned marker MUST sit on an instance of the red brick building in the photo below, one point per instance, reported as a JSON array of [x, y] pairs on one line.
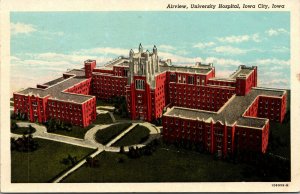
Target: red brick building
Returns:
[[220, 114], [65, 98]]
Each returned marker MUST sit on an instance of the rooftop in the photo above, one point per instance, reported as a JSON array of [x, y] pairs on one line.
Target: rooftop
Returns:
[[242, 71], [231, 111], [58, 85], [192, 69]]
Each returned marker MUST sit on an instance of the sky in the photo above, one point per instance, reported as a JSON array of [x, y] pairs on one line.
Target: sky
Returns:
[[46, 44]]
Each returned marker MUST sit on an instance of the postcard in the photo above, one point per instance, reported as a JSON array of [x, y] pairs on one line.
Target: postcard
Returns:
[[135, 96]]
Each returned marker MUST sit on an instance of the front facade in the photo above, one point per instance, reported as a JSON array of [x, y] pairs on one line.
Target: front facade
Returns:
[[219, 114]]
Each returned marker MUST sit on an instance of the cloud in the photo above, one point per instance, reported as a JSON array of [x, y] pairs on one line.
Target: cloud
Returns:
[[229, 50], [166, 47], [280, 49], [273, 72], [223, 73], [240, 38], [256, 37], [272, 61], [177, 59], [273, 83], [21, 28], [104, 51], [202, 45], [223, 62], [276, 32]]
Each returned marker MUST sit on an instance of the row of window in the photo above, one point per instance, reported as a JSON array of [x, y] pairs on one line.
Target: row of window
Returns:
[[200, 89]]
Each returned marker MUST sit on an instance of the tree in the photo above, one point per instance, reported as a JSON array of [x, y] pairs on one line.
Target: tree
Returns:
[[73, 160], [13, 145], [122, 150], [31, 129], [14, 126], [26, 143], [13, 116], [92, 162]]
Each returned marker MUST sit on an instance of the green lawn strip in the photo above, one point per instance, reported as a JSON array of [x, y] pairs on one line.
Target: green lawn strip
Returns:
[[22, 130], [103, 103], [77, 131], [103, 119], [137, 135], [105, 135], [164, 165], [43, 164], [118, 117]]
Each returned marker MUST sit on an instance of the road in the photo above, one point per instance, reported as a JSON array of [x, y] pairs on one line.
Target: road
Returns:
[[89, 139]]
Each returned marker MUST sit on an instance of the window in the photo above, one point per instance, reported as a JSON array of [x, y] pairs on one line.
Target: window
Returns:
[[190, 79], [125, 71], [140, 84], [172, 77]]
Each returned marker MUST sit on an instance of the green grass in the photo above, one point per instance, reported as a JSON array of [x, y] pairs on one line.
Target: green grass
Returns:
[[103, 103], [166, 164], [105, 135], [43, 164], [137, 135], [120, 118], [103, 119], [77, 131], [22, 130]]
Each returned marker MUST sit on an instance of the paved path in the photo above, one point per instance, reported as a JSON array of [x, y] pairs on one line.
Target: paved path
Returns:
[[107, 112], [101, 111], [154, 134], [41, 132], [89, 139], [78, 165], [108, 108], [112, 117], [121, 135]]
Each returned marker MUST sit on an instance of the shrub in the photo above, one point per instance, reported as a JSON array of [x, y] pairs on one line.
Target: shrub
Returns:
[[26, 143]]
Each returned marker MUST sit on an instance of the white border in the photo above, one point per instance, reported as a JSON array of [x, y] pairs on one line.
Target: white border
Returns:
[[142, 5]]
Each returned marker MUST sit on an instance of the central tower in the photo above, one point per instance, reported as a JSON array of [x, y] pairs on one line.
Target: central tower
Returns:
[[143, 66]]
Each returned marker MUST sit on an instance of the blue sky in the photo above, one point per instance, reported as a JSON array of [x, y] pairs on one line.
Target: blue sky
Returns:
[[45, 44]]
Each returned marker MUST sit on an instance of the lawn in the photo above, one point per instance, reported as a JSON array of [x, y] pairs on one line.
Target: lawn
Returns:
[[137, 135], [105, 135], [167, 164], [22, 130], [103, 103], [43, 164], [77, 131], [120, 118], [103, 119]]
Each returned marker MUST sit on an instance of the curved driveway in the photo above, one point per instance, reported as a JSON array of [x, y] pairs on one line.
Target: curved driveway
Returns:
[[89, 139]]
